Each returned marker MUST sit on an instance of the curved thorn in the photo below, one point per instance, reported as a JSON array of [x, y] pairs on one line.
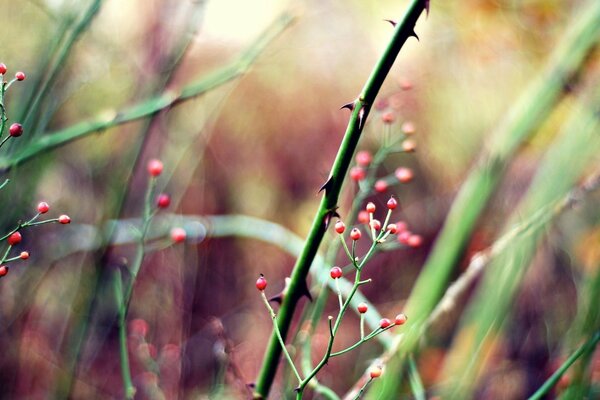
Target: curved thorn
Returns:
[[394, 23]]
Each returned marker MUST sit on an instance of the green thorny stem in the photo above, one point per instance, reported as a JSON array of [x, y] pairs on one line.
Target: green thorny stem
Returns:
[[123, 300], [360, 110], [334, 326]]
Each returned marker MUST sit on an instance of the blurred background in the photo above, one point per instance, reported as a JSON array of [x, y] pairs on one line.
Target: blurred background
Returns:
[[260, 144]]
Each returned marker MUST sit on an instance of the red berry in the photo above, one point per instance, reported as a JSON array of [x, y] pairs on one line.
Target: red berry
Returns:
[[261, 283], [392, 228], [404, 174], [384, 323], [2, 68], [340, 227], [364, 158], [20, 76], [336, 272], [64, 219], [363, 217], [375, 372], [414, 240], [14, 239], [370, 208], [388, 117], [15, 130], [43, 207], [362, 308], [155, 167], [408, 128], [3, 270], [178, 235], [409, 145], [357, 174], [400, 319], [392, 203], [381, 186], [24, 255], [375, 224], [163, 200], [355, 234]]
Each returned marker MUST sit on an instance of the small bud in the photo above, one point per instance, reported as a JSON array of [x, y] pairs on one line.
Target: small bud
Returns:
[[357, 174], [392, 228], [364, 158], [336, 272], [20, 76], [24, 255], [388, 117], [14, 239], [2, 68], [155, 167], [3, 270], [340, 227], [404, 174], [64, 219], [355, 234], [178, 235], [43, 207], [375, 224], [381, 186], [384, 323], [163, 200], [408, 128], [261, 283], [409, 145], [15, 130], [363, 217], [370, 207], [414, 240], [375, 372], [403, 236], [392, 203], [400, 319], [362, 308]]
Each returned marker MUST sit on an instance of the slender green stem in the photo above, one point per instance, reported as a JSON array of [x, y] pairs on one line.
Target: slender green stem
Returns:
[[587, 347], [363, 388]]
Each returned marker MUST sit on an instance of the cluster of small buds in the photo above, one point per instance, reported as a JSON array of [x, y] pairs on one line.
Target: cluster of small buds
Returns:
[[19, 76]]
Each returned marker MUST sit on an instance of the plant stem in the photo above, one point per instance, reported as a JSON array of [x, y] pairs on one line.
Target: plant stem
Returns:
[[587, 347]]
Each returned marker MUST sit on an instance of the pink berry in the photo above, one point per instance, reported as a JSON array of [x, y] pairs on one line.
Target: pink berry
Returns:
[[261, 283], [178, 235], [362, 308], [409, 145], [155, 167], [357, 174], [384, 323], [20, 76], [408, 128], [43, 207], [392, 228], [24, 255], [375, 372], [363, 217], [3, 270], [340, 227], [375, 224], [404, 174], [400, 319], [14, 239], [414, 240], [392, 203], [15, 130], [64, 219], [355, 234], [388, 117], [364, 158], [138, 327], [370, 208], [402, 226], [336, 272], [2, 68], [381, 186], [163, 200], [403, 236]]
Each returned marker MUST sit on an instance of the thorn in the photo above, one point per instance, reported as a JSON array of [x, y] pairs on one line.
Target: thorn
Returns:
[[413, 33], [349, 106], [391, 22], [304, 291], [278, 298], [327, 185], [427, 6], [330, 214]]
